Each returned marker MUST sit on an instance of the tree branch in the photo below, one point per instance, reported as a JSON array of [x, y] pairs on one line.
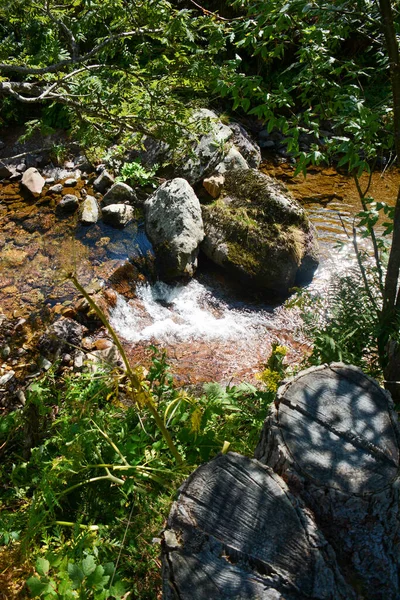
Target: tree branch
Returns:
[[80, 59]]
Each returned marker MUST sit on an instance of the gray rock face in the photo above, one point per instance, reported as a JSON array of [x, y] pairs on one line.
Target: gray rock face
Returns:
[[118, 215], [61, 336], [259, 233], [68, 204], [209, 150], [33, 181], [119, 193], [247, 147], [103, 182], [175, 227], [232, 162], [90, 211]]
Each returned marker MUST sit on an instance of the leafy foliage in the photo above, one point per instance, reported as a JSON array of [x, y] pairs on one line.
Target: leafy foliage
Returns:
[[137, 175], [98, 483]]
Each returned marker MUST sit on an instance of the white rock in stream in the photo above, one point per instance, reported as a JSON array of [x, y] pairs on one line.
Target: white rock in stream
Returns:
[[90, 211]]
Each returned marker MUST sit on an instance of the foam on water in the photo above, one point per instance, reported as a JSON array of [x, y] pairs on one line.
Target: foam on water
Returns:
[[165, 312]]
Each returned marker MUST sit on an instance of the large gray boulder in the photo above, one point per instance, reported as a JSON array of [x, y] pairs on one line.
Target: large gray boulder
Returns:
[[209, 149], [247, 147], [32, 181], [259, 233], [175, 227], [119, 193]]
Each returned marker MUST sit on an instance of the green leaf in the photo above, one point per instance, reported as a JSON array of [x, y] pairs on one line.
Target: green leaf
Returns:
[[88, 565], [36, 586], [76, 574], [42, 566], [118, 590]]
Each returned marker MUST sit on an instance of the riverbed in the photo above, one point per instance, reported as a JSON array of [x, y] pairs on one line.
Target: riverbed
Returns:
[[211, 328]]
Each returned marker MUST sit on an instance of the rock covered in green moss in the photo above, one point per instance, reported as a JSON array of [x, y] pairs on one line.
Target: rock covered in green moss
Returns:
[[259, 233]]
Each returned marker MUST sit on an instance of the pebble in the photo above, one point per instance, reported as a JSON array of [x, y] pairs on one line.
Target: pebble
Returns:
[[5, 379], [44, 363], [56, 189], [70, 182], [49, 180], [21, 397]]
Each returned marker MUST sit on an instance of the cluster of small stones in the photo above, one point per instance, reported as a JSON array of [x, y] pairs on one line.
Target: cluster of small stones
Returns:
[[75, 342]]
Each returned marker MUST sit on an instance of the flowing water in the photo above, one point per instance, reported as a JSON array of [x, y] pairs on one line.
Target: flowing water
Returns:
[[211, 328]]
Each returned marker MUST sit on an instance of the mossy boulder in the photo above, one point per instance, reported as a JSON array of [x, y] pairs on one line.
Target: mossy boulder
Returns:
[[259, 233]]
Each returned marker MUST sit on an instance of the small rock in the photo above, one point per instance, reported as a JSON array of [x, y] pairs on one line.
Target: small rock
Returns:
[[214, 185], [20, 324], [102, 344], [118, 215], [119, 193], [69, 164], [15, 177], [103, 182], [49, 180], [21, 168], [90, 211], [83, 193], [66, 359], [267, 144], [68, 204], [111, 297], [33, 181], [6, 379], [44, 363], [56, 189], [21, 397], [71, 182], [5, 351], [78, 360]]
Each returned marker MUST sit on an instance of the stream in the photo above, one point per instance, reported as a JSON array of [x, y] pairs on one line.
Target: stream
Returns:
[[211, 328]]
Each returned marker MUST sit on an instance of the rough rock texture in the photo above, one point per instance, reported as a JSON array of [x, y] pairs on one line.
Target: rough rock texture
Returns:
[[175, 228], [68, 204], [90, 211], [62, 336], [236, 532], [214, 184], [259, 233], [32, 181], [103, 182], [333, 436], [247, 147], [232, 161], [119, 193], [209, 150], [118, 215]]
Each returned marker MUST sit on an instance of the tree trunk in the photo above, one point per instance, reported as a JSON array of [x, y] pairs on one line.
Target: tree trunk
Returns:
[[236, 532], [391, 298], [318, 521], [333, 437]]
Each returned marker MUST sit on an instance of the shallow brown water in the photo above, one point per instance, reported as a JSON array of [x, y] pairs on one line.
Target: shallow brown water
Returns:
[[226, 335]]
